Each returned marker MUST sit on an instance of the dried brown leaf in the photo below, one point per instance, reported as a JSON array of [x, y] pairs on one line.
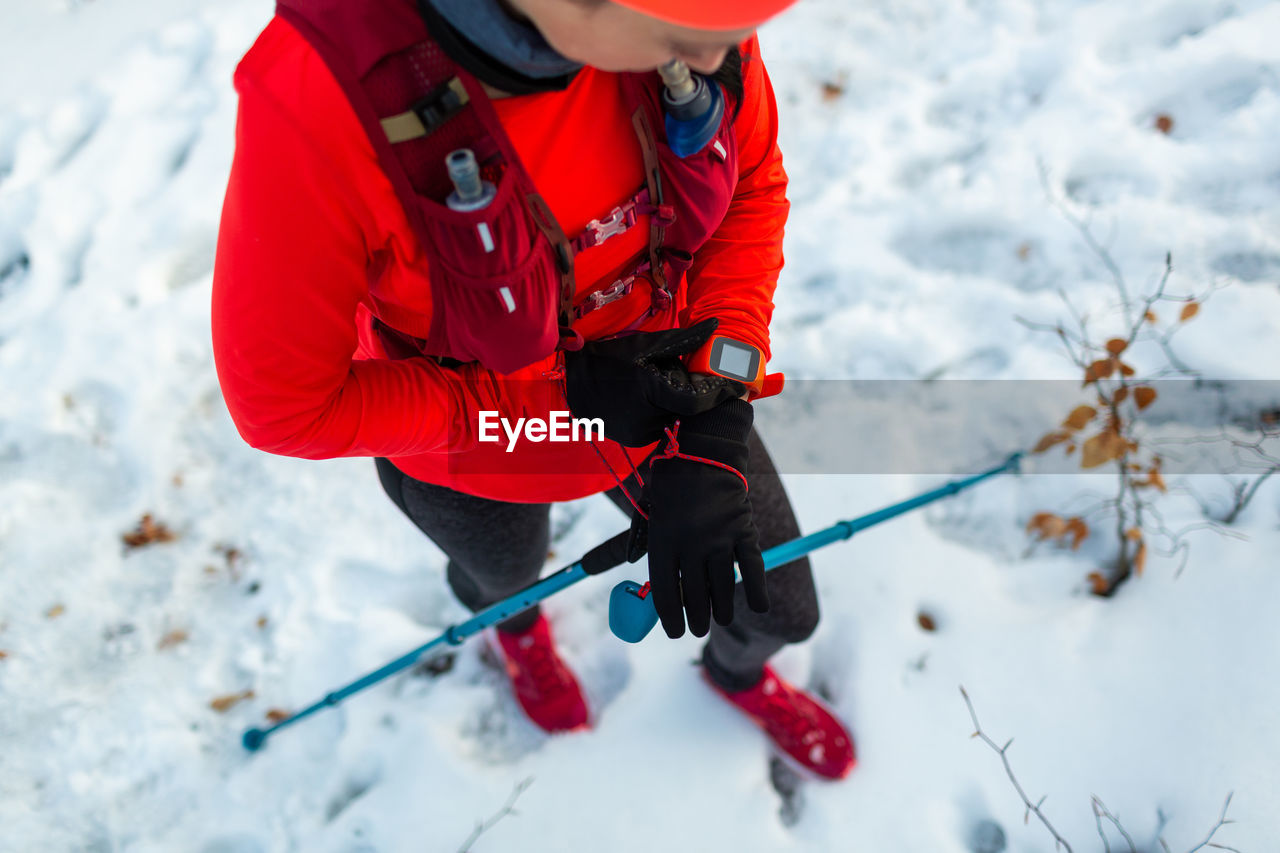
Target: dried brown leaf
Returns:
[[262, 621], [1101, 449], [1049, 441], [1115, 346], [276, 715], [1144, 396], [1125, 370], [55, 611], [926, 621], [1100, 369], [1151, 317], [3, 654], [1189, 310], [832, 90], [148, 532], [1134, 533], [1099, 584], [1047, 525], [233, 557], [225, 703], [1080, 417], [1078, 531], [1164, 123], [1140, 559], [1122, 394], [171, 639], [1157, 479]]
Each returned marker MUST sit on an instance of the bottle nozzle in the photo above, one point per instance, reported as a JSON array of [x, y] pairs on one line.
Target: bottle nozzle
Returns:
[[681, 84], [464, 171]]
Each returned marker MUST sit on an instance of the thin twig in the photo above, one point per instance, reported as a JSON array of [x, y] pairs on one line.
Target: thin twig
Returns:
[[1002, 751], [1243, 497], [1162, 820], [1087, 234], [507, 809], [1100, 811], [1222, 821]]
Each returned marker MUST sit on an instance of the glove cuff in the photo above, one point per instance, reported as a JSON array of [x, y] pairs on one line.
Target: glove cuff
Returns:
[[731, 419]]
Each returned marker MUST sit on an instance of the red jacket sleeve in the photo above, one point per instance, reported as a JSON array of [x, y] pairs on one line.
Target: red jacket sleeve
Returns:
[[291, 270], [735, 274]]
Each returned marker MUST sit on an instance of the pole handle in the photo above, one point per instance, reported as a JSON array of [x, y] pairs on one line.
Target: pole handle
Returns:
[[625, 547]]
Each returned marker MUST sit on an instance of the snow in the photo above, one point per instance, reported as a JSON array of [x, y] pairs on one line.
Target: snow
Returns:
[[921, 232]]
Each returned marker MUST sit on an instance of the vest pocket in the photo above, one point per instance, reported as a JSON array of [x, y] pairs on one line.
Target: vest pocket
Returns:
[[495, 281], [700, 187]]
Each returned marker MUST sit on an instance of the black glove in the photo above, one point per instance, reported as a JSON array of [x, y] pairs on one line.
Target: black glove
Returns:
[[637, 384], [700, 521]]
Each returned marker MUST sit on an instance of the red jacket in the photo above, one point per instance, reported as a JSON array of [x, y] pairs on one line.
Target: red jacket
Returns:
[[314, 243]]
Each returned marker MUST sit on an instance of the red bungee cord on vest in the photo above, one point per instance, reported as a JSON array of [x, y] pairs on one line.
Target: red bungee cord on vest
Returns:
[[443, 232]]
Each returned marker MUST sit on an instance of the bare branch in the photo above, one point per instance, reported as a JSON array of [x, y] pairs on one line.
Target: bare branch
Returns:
[[1100, 811], [1032, 808], [1087, 234], [507, 809], [1162, 820], [1243, 497], [1222, 821]]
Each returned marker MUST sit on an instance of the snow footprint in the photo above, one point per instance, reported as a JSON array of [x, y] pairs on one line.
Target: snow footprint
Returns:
[[976, 246], [10, 131], [1144, 29], [1249, 266], [1204, 96], [15, 261], [48, 145], [233, 844], [1104, 177], [420, 595], [359, 781]]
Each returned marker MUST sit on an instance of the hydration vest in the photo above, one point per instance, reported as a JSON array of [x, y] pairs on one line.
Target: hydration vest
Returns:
[[503, 291]]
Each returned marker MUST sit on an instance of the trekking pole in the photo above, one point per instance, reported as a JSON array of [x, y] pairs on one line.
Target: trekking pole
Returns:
[[631, 611], [599, 559]]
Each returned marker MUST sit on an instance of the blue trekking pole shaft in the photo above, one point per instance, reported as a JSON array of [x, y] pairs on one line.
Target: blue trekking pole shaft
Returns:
[[631, 611], [604, 556], [782, 554]]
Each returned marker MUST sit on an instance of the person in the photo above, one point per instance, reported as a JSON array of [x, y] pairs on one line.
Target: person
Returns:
[[441, 211]]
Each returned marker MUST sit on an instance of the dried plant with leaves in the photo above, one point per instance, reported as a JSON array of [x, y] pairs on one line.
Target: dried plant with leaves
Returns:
[[1106, 430]]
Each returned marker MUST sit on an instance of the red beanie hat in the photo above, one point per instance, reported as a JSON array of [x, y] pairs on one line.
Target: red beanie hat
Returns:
[[710, 14]]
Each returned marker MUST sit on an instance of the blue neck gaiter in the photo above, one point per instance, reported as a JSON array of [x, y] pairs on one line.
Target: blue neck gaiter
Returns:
[[516, 44]]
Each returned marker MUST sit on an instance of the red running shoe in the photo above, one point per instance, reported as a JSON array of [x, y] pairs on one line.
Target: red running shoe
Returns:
[[798, 724], [545, 688]]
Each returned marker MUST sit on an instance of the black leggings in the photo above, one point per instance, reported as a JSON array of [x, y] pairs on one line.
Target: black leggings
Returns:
[[497, 548]]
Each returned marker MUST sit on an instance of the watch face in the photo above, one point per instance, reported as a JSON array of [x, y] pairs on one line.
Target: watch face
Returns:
[[735, 360]]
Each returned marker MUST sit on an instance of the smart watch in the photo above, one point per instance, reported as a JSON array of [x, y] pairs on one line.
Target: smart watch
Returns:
[[734, 359]]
